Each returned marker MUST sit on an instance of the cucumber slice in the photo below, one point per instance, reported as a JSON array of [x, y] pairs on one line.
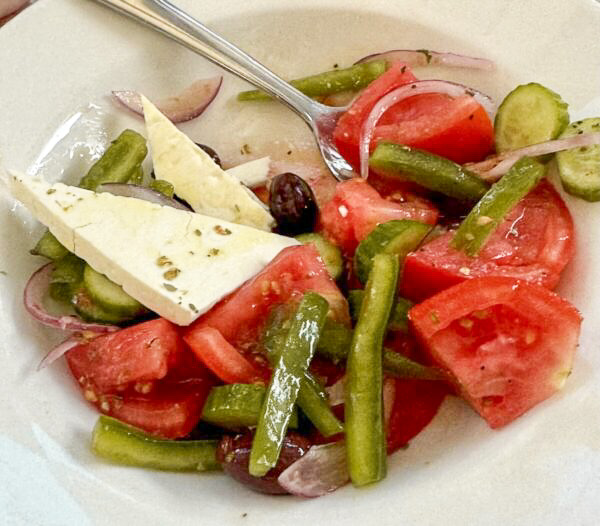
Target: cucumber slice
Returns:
[[91, 311], [110, 296], [579, 169], [529, 114], [331, 255], [236, 405], [397, 237], [66, 278]]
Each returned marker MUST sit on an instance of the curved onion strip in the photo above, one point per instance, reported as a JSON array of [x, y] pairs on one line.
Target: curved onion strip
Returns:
[[321, 470], [74, 340], [495, 167], [425, 57], [188, 105], [336, 392], [403, 92], [9, 7], [141, 192], [36, 289]]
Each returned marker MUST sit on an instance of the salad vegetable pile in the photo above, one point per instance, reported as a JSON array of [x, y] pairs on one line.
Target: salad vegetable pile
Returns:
[[295, 331]]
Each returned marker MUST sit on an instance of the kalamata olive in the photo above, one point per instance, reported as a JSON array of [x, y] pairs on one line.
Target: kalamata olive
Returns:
[[234, 454], [292, 204], [214, 155]]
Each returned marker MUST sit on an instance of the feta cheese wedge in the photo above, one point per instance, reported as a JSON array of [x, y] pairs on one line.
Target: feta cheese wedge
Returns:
[[197, 178], [253, 173], [174, 262]]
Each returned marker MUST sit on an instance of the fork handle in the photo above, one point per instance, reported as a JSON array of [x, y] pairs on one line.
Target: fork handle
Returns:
[[186, 30]]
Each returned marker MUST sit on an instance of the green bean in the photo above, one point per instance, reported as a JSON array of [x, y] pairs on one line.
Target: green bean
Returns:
[[365, 436], [234, 406], [428, 170], [298, 350], [125, 444], [498, 201], [398, 317], [329, 82]]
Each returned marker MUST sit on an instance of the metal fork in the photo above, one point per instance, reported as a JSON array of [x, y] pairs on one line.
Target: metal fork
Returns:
[[168, 19]]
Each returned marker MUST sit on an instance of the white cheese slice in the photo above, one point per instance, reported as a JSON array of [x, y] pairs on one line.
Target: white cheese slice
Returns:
[[197, 178], [176, 263], [253, 173]]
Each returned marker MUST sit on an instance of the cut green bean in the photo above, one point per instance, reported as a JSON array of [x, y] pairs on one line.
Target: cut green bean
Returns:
[[397, 237], [125, 444], [235, 406], [428, 170], [293, 362], [498, 201], [365, 437], [162, 186], [120, 162], [402, 367], [329, 82], [398, 317]]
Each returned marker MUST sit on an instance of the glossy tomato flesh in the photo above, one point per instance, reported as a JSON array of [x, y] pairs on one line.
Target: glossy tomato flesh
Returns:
[[507, 344], [533, 243]]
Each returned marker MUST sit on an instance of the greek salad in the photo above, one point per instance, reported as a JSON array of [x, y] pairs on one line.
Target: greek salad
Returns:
[[293, 332]]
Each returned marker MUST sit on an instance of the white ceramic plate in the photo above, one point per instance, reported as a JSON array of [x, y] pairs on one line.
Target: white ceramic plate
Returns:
[[60, 55]]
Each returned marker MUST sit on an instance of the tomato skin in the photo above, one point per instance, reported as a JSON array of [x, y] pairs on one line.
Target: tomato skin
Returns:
[[357, 208], [506, 344], [172, 409], [347, 132], [221, 357], [543, 245], [241, 316], [458, 129], [140, 353]]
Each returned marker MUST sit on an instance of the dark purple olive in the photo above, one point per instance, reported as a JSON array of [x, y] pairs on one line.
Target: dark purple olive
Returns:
[[292, 204], [234, 454], [214, 155]]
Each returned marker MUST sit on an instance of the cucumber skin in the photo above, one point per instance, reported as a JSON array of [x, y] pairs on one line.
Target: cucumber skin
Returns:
[[49, 247], [330, 254], [561, 121], [572, 181], [109, 296]]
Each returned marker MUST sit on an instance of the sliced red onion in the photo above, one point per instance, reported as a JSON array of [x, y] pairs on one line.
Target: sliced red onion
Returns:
[[142, 192], [8, 7], [389, 395], [337, 392], [74, 340], [425, 57], [320, 471], [495, 167], [409, 90], [33, 297], [188, 105]]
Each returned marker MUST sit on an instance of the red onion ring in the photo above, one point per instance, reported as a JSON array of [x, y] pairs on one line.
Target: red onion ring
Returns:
[[9, 7], [320, 471], [425, 57], [77, 338], [337, 392], [495, 167], [142, 192], [419, 87], [33, 296], [188, 105]]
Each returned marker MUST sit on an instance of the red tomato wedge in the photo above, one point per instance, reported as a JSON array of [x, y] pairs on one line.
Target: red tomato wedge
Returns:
[[458, 129], [169, 410], [507, 344], [221, 357], [241, 316], [141, 353], [347, 132], [534, 243], [357, 208]]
